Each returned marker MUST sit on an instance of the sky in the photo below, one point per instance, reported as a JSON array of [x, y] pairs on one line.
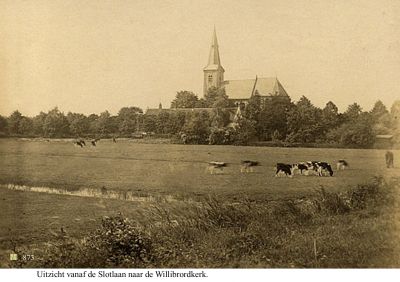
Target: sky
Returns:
[[91, 56]]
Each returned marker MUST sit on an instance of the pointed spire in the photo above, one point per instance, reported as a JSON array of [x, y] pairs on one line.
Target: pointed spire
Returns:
[[214, 60]]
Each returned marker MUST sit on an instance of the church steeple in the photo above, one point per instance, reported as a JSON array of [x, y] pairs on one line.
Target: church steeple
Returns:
[[213, 72], [213, 59]]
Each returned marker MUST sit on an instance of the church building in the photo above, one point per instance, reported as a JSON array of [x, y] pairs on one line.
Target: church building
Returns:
[[239, 91]]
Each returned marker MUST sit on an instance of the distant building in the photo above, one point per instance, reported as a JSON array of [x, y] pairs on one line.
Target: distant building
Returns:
[[384, 141], [239, 91]]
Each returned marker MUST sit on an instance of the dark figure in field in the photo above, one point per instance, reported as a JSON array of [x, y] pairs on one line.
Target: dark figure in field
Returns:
[[247, 166], [342, 164], [389, 159], [93, 142], [306, 167], [114, 140], [216, 166], [323, 167], [82, 142], [79, 143], [286, 169]]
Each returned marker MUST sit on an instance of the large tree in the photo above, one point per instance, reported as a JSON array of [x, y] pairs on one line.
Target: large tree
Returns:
[[25, 126], [220, 117], [356, 133], [395, 114], [330, 117], [38, 122], [3, 125], [184, 99], [352, 112], [273, 118], [104, 124], [78, 124], [197, 127], [216, 98], [13, 122], [128, 120], [303, 122], [149, 123], [378, 110], [55, 124], [245, 131]]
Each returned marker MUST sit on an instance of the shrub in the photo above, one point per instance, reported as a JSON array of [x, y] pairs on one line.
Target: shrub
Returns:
[[117, 243], [331, 203], [120, 243], [214, 213], [373, 192]]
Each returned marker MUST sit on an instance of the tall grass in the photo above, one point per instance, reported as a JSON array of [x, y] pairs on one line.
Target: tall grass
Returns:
[[327, 229]]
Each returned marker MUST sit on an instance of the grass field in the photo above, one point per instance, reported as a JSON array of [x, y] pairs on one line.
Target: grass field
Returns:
[[178, 170], [163, 170]]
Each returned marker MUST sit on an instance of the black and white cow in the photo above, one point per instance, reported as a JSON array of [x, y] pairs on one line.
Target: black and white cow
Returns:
[[303, 167], [342, 165], [216, 166], [247, 166], [287, 169], [79, 143], [324, 167]]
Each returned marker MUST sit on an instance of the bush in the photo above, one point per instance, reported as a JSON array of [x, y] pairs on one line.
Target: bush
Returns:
[[220, 136], [331, 203], [117, 243], [365, 194], [120, 243]]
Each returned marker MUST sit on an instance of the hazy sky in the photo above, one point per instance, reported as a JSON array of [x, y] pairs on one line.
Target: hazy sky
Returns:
[[91, 56]]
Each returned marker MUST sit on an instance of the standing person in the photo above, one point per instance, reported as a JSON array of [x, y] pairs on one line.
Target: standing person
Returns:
[[389, 159]]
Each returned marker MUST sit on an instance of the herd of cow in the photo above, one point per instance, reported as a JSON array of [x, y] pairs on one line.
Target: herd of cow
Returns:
[[304, 168], [282, 169]]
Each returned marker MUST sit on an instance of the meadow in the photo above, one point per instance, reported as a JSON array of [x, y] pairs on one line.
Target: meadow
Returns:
[[177, 170], [172, 178]]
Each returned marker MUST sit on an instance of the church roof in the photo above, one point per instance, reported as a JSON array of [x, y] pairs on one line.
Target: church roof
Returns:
[[245, 88], [239, 89], [270, 86]]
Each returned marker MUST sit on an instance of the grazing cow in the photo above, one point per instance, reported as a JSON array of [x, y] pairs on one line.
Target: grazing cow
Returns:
[[287, 169], [94, 141], [312, 166], [323, 167], [78, 143], [82, 142], [247, 166], [212, 166], [302, 167], [342, 164], [389, 159]]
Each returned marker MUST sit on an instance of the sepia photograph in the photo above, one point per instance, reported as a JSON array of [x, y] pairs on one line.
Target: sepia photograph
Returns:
[[196, 135]]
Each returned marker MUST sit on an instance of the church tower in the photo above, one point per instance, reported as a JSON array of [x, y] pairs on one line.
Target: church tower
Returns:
[[213, 72]]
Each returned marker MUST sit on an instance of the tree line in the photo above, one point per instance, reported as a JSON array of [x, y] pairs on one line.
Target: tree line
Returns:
[[279, 120], [273, 119]]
